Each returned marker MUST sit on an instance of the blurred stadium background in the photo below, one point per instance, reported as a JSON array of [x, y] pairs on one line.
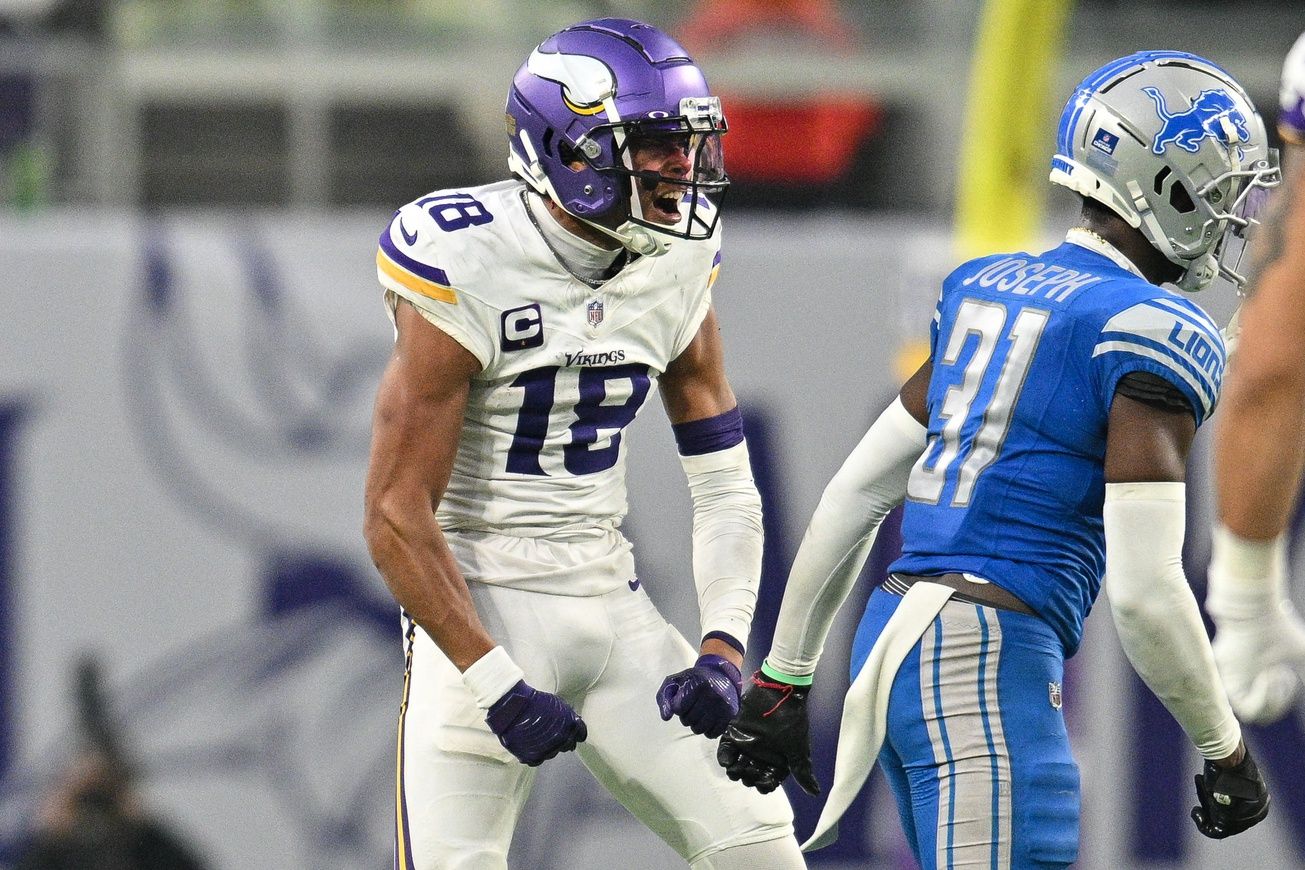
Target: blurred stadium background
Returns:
[[190, 192]]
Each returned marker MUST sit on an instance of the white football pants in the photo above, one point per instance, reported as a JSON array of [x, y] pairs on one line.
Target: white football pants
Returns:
[[459, 793]]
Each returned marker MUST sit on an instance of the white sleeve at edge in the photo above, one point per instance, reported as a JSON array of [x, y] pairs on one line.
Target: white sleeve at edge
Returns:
[[1155, 614], [837, 542]]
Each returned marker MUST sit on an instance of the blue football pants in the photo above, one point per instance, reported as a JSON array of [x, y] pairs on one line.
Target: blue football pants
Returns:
[[977, 754]]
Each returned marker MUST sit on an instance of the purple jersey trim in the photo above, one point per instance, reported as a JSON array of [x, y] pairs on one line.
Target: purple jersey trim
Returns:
[[430, 273], [726, 638], [710, 435], [1291, 123]]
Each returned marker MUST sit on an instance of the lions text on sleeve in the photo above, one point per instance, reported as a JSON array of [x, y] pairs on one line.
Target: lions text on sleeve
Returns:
[[1027, 353]]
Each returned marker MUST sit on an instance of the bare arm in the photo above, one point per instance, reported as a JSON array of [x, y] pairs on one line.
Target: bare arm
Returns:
[[694, 385], [1147, 444], [1259, 452], [415, 428], [915, 391]]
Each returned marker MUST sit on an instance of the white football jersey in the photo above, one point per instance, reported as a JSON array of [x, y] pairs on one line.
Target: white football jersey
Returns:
[[1291, 99], [538, 490]]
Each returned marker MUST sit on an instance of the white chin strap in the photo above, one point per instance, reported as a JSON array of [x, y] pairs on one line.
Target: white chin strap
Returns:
[[634, 238]]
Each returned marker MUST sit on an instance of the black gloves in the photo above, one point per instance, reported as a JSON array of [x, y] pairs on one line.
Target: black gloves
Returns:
[[768, 740], [1232, 799]]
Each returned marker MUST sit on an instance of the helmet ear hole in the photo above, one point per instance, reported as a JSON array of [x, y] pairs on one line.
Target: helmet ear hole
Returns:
[[1180, 199], [547, 142], [568, 154]]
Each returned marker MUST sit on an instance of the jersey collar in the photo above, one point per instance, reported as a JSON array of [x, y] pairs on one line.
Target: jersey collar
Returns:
[[582, 260], [1085, 238]]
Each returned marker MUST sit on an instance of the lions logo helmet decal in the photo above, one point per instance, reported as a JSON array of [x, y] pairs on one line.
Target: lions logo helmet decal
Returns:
[[1212, 113]]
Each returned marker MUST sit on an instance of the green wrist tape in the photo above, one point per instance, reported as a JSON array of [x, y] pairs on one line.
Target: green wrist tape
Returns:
[[781, 677]]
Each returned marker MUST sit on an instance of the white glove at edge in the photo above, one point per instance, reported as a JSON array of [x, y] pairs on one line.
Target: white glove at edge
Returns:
[[1259, 642]]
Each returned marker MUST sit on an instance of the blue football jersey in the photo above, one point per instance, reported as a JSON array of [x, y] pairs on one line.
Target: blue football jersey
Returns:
[[1027, 351]]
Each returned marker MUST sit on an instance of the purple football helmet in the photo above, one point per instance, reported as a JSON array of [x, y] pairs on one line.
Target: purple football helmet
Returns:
[[586, 94]]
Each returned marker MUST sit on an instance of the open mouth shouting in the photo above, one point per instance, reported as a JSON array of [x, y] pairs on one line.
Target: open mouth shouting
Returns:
[[663, 205]]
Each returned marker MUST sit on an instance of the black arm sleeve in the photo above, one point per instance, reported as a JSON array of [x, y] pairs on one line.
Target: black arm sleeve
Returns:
[[1153, 390]]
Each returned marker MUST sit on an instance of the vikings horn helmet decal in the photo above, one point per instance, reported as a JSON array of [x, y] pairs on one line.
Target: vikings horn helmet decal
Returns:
[[585, 81]]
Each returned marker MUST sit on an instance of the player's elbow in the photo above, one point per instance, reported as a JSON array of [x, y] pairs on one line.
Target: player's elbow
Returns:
[[385, 516], [1146, 592], [1126, 606], [378, 528]]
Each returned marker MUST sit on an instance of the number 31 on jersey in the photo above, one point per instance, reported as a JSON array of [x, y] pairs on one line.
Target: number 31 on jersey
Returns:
[[979, 442]]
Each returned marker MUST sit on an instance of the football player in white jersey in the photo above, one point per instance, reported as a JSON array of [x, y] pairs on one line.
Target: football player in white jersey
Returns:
[[1259, 448], [534, 318]]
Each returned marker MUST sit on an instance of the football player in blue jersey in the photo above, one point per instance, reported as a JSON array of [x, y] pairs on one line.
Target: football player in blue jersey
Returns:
[[1259, 449], [533, 318], [1040, 453]]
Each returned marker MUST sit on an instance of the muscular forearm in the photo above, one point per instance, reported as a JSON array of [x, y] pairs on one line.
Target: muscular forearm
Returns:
[[417, 565], [1259, 454]]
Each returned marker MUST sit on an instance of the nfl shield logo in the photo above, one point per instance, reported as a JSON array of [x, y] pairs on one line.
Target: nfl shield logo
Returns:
[[595, 311], [1105, 141], [1053, 692]]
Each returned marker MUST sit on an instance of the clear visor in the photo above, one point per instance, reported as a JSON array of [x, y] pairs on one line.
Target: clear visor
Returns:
[[657, 141], [709, 159], [660, 155]]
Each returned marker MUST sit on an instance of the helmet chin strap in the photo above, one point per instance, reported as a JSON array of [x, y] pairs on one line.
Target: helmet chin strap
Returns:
[[634, 238]]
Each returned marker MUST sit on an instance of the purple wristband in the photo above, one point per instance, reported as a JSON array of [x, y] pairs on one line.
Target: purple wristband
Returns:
[[709, 435], [728, 639]]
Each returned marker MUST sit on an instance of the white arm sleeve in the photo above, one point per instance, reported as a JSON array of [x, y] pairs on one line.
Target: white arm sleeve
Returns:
[[871, 483], [1156, 615], [727, 539]]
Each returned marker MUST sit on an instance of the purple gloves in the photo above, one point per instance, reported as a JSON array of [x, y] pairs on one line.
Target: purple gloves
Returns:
[[705, 697], [533, 725]]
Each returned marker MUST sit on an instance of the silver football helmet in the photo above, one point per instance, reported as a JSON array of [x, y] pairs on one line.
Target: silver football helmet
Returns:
[[1173, 145]]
